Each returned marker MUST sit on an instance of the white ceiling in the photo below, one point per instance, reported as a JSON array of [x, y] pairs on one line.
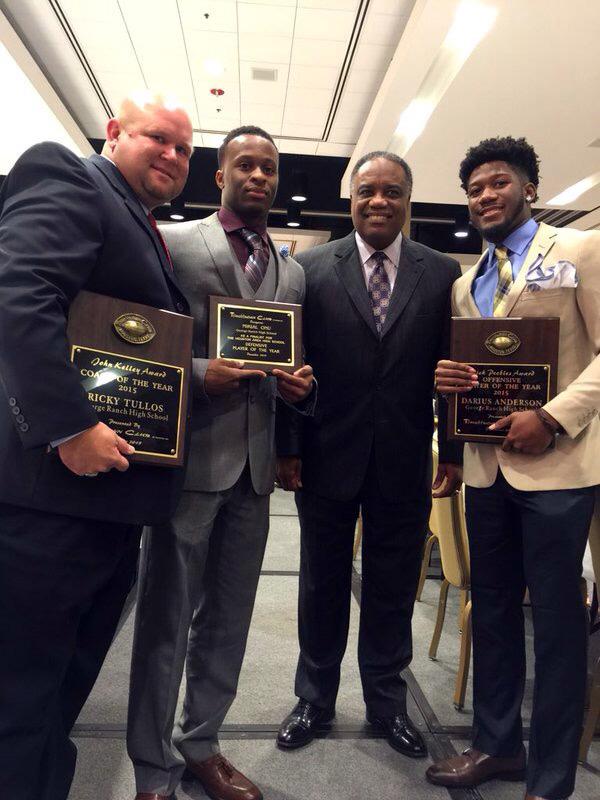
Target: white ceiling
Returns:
[[346, 69]]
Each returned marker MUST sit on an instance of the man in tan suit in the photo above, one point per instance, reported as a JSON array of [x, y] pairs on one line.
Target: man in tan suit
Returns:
[[529, 501]]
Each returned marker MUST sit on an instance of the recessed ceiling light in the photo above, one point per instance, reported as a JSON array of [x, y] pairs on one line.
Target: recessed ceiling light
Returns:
[[461, 234]]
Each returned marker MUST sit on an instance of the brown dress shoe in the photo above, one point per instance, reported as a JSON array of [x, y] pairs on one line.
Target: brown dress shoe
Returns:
[[151, 796], [472, 768], [222, 781]]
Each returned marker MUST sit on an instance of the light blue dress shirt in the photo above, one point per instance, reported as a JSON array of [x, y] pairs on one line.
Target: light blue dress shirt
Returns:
[[484, 286]]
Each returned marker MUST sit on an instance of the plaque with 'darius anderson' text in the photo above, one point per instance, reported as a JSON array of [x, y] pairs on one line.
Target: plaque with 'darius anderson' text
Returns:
[[134, 362], [516, 360], [262, 334]]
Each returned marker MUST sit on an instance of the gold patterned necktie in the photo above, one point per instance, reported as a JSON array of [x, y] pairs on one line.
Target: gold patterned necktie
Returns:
[[505, 280]]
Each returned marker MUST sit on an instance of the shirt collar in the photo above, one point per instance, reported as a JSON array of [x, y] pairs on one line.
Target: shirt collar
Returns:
[[231, 222], [518, 240], [392, 251]]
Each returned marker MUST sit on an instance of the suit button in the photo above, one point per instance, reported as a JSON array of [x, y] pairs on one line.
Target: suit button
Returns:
[[20, 418], [16, 410], [180, 306], [24, 427], [12, 401]]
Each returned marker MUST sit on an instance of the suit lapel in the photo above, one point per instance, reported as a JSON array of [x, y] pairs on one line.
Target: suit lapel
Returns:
[[133, 205], [283, 277], [538, 249], [472, 309], [409, 274], [217, 245], [350, 272]]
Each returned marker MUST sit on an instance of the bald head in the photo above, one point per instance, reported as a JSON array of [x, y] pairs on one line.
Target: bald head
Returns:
[[150, 141]]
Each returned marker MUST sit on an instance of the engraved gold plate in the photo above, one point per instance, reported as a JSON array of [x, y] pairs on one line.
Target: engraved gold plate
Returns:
[[134, 328], [503, 343]]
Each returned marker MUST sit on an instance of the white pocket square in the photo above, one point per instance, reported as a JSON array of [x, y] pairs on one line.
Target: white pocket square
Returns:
[[561, 275]]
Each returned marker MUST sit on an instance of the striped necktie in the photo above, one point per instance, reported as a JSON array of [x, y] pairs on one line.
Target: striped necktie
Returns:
[[505, 280], [379, 290], [256, 265]]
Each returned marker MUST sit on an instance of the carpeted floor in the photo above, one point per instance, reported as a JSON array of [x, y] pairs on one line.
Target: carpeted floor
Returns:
[[351, 763]]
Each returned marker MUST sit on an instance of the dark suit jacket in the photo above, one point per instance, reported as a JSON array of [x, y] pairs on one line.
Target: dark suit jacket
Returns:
[[375, 394], [67, 224]]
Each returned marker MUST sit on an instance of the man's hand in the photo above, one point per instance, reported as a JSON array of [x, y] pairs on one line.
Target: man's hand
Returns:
[[223, 375], [452, 377], [525, 433], [449, 478], [294, 387], [97, 449], [289, 470]]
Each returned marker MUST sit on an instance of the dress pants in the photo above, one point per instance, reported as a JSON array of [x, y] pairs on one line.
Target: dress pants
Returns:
[[63, 582], [533, 539], [392, 548], [197, 584]]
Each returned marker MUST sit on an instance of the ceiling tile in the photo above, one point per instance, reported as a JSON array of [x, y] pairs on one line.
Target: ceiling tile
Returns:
[[265, 49], [401, 8], [364, 81], [297, 146], [317, 77], [354, 105], [92, 12], [266, 20], [302, 115], [267, 114], [372, 56], [315, 98], [266, 92], [290, 3], [382, 29], [305, 131], [220, 46], [219, 123], [222, 15], [329, 53], [213, 139], [335, 5], [312, 23], [345, 135], [334, 149]]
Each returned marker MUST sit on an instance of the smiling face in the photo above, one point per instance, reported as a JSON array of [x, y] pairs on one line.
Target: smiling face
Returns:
[[498, 197], [152, 147], [248, 177], [379, 201]]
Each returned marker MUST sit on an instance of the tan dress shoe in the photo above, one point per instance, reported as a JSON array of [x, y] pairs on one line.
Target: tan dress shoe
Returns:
[[472, 768], [222, 781]]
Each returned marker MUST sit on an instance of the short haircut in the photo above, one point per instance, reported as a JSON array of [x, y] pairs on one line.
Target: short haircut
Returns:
[[243, 130], [518, 153], [389, 157]]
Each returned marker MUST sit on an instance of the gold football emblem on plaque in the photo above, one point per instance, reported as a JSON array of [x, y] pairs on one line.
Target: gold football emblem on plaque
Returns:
[[134, 328], [502, 343]]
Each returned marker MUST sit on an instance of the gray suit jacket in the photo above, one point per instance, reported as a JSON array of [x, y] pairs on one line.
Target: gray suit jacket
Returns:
[[229, 429]]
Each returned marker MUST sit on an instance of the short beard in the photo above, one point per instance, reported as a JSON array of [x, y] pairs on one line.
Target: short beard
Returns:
[[498, 233]]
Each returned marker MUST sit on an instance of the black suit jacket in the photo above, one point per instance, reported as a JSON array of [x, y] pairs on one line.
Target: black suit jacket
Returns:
[[375, 394], [67, 224]]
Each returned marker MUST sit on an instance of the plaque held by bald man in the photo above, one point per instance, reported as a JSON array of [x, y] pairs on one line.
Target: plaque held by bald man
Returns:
[[516, 360], [135, 363]]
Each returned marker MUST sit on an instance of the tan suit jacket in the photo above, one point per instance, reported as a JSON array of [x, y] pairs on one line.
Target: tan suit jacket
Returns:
[[575, 461]]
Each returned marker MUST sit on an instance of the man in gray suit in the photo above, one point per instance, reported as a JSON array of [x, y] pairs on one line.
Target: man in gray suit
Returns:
[[199, 573]]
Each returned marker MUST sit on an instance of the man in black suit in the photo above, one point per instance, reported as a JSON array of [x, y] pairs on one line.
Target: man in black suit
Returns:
[[376, 308], [71, 509]]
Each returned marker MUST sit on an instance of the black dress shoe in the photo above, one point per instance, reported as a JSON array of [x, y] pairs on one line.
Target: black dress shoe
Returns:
[[401, 734], [300, 727]]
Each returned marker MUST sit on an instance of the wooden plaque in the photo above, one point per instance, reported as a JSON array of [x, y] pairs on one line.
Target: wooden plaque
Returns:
[[262, 334], [135, 363], [516, 359]]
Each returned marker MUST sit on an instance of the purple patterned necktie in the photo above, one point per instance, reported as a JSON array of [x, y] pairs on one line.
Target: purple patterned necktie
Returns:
[[379, 290], [256, 265]]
